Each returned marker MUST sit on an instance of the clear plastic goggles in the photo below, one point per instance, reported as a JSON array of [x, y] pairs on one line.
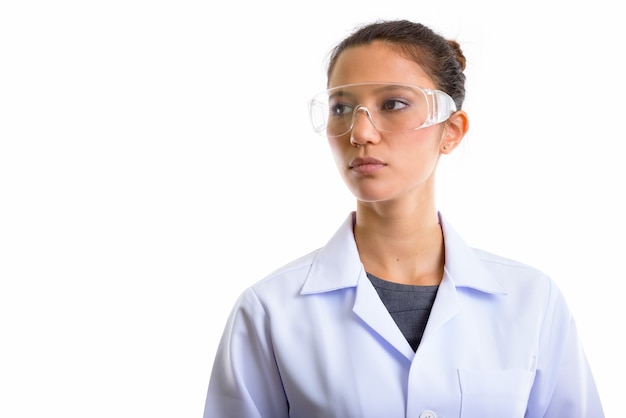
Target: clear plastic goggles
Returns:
[[390, 107]]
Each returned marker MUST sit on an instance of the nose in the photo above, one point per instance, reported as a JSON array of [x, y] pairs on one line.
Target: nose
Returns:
[[363, 129]]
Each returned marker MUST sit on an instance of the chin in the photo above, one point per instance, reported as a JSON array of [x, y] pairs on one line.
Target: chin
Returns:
[[370, 197]]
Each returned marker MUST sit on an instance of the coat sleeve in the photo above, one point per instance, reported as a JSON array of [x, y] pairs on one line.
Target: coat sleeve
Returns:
[[245, 381], [564, 385]]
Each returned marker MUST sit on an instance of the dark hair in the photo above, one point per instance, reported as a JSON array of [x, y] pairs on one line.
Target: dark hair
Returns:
[[442, 60]]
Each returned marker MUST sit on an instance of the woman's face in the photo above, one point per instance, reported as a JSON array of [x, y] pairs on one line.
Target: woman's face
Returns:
[[383, 166]]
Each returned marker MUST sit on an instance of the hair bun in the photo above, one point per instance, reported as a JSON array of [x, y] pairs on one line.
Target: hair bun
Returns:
[[458, 53]]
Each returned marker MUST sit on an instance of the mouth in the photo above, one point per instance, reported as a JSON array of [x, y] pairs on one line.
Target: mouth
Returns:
[[366, 165]]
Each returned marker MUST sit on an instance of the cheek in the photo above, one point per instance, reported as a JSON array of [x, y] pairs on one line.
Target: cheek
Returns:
[[422, 144], [338, 150], [420, 153]]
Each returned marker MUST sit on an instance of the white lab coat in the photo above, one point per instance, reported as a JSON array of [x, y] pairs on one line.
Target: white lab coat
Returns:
[[313, 339]]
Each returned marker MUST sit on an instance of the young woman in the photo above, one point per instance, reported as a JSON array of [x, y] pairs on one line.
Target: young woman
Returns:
[[396, 316]]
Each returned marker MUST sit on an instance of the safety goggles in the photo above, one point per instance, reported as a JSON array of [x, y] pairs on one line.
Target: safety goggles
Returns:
[[390, 107]]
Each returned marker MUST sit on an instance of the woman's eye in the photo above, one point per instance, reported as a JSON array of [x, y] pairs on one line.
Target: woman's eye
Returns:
[[394, 104], [340, 109]]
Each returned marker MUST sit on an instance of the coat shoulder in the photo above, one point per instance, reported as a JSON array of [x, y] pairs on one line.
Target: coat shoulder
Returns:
[[503, 267], [496, 259], [289, 276]]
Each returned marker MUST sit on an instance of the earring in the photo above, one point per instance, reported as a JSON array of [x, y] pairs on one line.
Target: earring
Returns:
[[445, 147]]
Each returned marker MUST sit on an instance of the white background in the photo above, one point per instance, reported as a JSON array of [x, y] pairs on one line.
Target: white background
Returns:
[[156, 159]]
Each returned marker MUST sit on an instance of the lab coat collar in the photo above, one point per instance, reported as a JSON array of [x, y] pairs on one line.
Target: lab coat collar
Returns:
[[337, 265], [463, 266]]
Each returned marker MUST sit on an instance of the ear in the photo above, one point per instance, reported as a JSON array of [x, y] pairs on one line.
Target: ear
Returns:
[[454, 130]]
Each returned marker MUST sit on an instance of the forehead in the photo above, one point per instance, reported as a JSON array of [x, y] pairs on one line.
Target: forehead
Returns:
[[377, 62]]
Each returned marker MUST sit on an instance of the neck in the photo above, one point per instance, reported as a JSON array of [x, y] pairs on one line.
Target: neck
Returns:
[[402, 245]]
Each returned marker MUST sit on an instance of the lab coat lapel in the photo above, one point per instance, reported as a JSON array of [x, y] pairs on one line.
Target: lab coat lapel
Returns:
[[337, 266], [463, 268], [446, 306], [375, 315]]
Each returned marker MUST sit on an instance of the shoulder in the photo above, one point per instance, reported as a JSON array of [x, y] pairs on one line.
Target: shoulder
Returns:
[[285, 280], [516, 276], [496, 261]]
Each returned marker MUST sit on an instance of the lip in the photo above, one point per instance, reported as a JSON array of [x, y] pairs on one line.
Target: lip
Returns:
[[366, 165]]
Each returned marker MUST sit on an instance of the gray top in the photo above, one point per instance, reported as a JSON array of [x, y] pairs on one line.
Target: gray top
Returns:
[[408, 305]]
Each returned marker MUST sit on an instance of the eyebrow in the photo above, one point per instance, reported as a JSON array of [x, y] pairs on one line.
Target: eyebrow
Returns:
[[340, 93], [382, 88]]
